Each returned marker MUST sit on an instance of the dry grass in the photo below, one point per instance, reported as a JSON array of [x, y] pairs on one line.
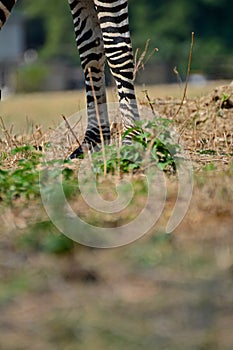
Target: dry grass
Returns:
[[203, 122], [164, 292], [46, 109]]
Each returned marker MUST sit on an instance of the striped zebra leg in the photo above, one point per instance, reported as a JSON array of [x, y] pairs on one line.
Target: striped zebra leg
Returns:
[[113, 17], [91, 50], [5, 10]]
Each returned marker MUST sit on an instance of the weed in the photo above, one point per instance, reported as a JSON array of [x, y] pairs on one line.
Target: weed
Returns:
[[152, 143], [224, 100], [23, 180], [208, 152], [43, 236], [209, 167]]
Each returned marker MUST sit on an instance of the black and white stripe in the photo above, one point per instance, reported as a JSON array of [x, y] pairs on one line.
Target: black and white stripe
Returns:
[[102, 32], [5, 10]]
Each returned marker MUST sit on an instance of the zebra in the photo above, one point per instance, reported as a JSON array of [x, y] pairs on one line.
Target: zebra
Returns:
[[101, 30]]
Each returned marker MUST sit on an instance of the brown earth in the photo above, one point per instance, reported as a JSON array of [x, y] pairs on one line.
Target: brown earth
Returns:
[[165, 291]]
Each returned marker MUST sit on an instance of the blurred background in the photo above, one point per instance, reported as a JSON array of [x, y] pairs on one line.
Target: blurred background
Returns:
[[38, 50]]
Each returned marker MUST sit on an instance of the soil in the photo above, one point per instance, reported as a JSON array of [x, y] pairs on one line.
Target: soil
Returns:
[[164, 291]]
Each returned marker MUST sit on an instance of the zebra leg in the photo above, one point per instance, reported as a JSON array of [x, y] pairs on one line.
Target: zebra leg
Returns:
[[89, 41], [5, 10], [113, 17]]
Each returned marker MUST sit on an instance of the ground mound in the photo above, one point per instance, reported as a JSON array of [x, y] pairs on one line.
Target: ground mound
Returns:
[[205, 124]]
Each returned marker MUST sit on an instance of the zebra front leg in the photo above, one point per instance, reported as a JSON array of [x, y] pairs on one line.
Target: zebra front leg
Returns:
[[91, 50], [113, 17]]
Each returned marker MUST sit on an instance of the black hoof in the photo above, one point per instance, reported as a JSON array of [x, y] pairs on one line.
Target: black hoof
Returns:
[[78, 153]]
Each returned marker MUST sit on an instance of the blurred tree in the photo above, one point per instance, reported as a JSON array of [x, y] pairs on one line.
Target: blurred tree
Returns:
[[167, 23], [57, 25]]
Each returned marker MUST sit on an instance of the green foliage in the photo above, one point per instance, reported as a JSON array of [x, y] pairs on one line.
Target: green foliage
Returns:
[[31, 78], [123, 160], [15, 286], [209, 167], [225, 101], [163, 147], [22, 181], [225, 97], [43, 236], [58, 27], [208, 152], [152, 144], [57, 244], [167, 23]]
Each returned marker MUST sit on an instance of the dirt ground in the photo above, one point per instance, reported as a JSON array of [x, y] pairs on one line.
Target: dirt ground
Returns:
[[164, 291]]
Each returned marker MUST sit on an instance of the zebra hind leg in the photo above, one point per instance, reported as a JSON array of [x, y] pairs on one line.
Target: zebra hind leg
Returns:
[[89, 42]]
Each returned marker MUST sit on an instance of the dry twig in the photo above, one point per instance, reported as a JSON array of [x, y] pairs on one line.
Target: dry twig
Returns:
[[187, 76], [71, 130], [139, 62], [8, 136], [99, 122]]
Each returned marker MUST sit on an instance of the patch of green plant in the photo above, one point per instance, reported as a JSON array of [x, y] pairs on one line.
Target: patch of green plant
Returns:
[[43, 236], [224, 100], [211, 152], [124, 160], [15, 286], [3, 156], [23, 180], [209, 167], [152, 143], [162, 251], [158, 250]]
